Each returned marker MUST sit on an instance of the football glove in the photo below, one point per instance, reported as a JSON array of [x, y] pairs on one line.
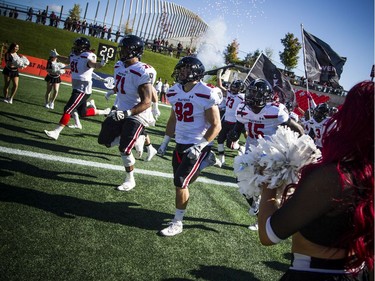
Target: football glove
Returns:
[[155, 111], [163, 146], [233, 136], [119, 115], [103, 62], [195, 150], [54, 53]]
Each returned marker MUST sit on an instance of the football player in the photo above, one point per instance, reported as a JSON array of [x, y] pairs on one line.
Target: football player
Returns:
[[261, 116], [233, 97], [132, 111], [316, 124], [82, 64], [194, 122]]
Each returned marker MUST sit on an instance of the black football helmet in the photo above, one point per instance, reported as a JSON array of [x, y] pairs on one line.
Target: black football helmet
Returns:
[[321, 112], [130, 46], [236, 86], [258, 93], [80, 45], [193, 70]]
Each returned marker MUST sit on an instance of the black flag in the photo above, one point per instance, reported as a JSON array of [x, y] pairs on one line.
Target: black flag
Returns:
[[264, 68], [322, 63]]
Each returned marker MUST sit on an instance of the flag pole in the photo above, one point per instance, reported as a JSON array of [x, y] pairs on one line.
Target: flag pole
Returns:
[[252, 67], [304, 57], [304, 66]]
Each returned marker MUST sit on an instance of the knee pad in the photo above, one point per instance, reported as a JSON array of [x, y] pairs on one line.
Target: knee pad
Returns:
[[128, 160]]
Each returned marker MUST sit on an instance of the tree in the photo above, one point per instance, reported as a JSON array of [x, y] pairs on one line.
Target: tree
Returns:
[[75, 13], [231, 53], [250, 58], [289, 57]]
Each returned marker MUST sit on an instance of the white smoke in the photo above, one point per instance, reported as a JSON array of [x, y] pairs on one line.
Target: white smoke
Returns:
[[210, 47]]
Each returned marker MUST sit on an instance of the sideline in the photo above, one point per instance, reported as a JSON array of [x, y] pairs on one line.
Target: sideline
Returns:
[[67, 160]]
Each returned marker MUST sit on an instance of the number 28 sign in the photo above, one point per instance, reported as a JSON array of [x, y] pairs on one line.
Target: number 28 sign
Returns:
[[106, 51]]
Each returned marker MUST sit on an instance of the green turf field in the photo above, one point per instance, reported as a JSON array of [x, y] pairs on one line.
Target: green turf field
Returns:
[[61, 218]]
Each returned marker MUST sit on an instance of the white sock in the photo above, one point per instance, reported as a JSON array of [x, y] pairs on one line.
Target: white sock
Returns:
[[59, 128], [179, 215], [148, 147], [130, 175], [76, 119]]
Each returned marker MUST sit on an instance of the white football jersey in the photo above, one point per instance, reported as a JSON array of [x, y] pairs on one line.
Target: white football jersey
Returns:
[[189, 108], [318, 129], [79, 66], [127, 81], [232, 102], [81, 72], [264, 123]]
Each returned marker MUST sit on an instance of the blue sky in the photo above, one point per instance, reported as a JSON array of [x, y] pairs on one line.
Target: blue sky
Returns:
[[347, 26]]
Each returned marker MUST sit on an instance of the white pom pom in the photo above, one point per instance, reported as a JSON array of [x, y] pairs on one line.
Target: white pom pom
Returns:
[[276, 161]]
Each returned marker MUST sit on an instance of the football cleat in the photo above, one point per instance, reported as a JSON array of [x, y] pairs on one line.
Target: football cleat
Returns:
[[174, 228], [151, 152], [52, 134], [254, 227], [51, 105], [75, 126], [221, 159], [128, 185], [91, 103], [106, 111]]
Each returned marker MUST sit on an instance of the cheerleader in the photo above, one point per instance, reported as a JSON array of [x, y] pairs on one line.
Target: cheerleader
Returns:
[[13, 61], [54, 70]]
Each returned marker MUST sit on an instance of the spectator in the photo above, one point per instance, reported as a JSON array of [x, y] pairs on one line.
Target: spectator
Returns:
[[330, 215], [109, 34], [193, 130], [15, 13], [44, 17], [117, 35], [158, 85], [170, 50], [179, 50], [30, 14], [52, 18], [164, 91], [83, 27]]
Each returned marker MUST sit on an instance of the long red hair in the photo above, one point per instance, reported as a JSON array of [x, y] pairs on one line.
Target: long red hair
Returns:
[[349, 142]]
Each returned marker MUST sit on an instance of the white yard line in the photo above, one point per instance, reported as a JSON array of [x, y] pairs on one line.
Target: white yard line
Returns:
[[67, 160]]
